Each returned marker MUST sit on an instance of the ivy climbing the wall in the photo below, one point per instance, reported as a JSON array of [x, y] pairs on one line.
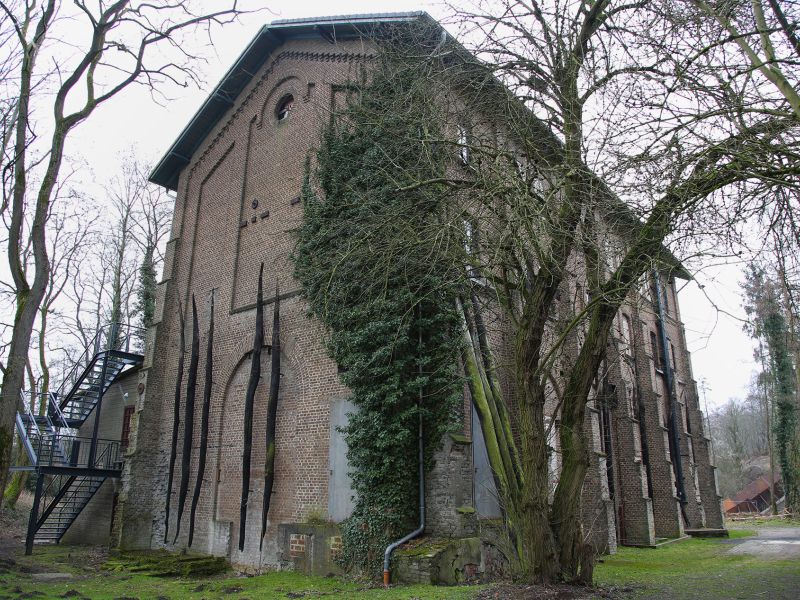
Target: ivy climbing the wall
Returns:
[[376, 266]]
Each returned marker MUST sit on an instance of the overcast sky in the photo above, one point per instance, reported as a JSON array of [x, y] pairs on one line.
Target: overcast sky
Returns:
[[721, 352]]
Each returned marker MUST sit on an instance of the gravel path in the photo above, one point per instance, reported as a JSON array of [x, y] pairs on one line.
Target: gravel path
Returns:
[[771, 543]]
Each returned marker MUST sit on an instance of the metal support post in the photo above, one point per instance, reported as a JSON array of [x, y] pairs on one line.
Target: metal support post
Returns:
[[37, 498]]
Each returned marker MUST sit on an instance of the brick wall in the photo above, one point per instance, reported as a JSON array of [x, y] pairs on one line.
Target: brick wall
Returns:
[[235, 208], [250, 165]]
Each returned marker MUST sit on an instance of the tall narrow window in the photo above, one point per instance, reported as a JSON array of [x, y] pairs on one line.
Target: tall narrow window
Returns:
[[657, 358], [463, 145], [627, 336], [471, 250], [126, 426]]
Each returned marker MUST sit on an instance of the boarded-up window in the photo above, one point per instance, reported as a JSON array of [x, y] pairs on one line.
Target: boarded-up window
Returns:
[[126, 426], [341, 498], [658, 359]]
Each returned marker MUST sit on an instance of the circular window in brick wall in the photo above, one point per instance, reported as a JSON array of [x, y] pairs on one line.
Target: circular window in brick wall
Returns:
[[284, 107]]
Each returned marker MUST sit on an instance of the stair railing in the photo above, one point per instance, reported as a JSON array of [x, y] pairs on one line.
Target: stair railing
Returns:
[[55, 410], [79, 366], [57, 487], [26, 431], [108, 455], [114, 336]]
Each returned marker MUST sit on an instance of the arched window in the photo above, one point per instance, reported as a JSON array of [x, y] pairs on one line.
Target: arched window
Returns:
[[284, 107]]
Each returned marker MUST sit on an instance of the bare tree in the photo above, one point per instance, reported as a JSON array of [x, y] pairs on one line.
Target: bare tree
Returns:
[[641, 110], [70, 234], [113, 44], [151, 226], [616, 104], [119, 240]]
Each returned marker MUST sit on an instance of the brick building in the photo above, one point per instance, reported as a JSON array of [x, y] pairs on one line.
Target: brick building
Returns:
[[237, 169]]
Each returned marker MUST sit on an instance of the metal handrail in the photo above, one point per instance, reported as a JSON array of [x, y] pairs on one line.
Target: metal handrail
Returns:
[[108, 337], [26, 442], [76, 452], [31, 416], [52, 401]]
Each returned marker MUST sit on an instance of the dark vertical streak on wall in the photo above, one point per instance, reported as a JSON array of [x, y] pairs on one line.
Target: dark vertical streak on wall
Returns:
[[188, 417], [176, 419], [252, 384], [672, 423], [201, 466], [643, 431], [272, 412]]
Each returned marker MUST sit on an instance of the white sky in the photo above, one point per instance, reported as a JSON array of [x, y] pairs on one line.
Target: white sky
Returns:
[[721, 352]]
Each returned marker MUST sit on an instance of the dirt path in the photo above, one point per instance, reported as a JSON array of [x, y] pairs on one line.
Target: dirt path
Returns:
[[13, 524]]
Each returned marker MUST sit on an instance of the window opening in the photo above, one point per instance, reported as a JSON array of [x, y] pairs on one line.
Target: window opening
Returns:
[[126, 426], [285, 107], [627, 337], [657, 360], [463, 143]]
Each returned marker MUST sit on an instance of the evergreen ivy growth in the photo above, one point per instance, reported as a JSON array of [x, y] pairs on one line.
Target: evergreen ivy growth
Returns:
[[376, 266], [767, 308], [146, 290]]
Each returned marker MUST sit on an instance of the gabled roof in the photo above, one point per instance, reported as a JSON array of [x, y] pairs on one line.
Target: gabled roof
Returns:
[[253, 57], [755, 488], [333, 28]]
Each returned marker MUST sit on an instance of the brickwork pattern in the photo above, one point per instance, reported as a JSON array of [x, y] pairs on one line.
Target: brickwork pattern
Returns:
[[236, 207], [248, 166]]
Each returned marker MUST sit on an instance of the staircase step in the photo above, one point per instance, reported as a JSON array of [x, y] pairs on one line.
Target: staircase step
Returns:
[[69, 507]]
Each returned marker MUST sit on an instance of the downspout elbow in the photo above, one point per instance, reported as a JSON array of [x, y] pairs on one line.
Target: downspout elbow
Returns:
[[387, 554]]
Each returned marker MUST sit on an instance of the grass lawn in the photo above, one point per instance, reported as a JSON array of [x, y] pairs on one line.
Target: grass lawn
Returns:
[[90, 579], [695, 568], [699, 568]]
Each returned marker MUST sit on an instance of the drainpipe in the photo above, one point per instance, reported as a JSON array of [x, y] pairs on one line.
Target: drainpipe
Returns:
[[387, 555], [674, 435]]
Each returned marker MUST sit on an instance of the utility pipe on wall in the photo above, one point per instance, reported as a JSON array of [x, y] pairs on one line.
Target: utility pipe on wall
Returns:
[[387, 555], [673, 431]]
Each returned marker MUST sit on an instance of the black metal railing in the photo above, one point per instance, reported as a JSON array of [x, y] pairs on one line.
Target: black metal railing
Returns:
[[53, 486], [69, 451], [123, 337]]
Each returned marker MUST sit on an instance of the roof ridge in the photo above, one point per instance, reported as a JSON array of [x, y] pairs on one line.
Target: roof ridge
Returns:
[[349, 18]]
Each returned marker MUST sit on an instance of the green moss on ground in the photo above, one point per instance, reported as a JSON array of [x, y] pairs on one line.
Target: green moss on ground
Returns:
[[167, 564], [149, 576], [693, 568]]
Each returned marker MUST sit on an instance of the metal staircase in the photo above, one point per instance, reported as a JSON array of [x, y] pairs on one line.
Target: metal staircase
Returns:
[[68, 495], [70, 467], [109, 354]]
